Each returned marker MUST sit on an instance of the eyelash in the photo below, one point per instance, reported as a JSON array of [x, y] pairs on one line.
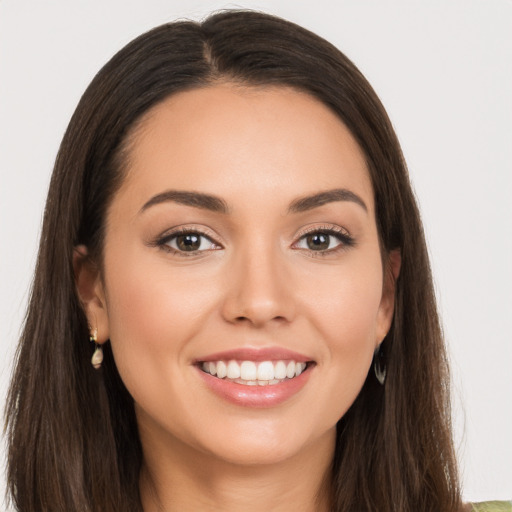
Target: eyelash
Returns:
[[163, 241], [341, 235]]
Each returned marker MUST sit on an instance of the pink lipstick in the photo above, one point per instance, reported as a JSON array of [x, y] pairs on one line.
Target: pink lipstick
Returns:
[[253, 377]]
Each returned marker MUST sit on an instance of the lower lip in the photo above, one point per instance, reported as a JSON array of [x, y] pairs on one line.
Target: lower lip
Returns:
[[256, 396]]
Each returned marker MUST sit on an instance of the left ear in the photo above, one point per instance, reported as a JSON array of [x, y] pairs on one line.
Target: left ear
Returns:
[[387, 303]]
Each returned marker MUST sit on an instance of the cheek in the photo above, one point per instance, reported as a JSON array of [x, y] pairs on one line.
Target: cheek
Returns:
[[346, 302], [345, 319], [153, 313]]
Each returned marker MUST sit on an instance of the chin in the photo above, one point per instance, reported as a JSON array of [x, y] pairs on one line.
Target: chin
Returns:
[[267, 445], [242, 454]]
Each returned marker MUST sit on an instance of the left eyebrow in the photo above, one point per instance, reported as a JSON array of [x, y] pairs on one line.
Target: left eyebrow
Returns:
[[306, 203]]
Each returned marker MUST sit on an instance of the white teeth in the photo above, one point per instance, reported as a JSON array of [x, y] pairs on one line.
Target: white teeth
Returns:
[[233, 370], [248, 371], [299, 368], [280, 370], [222, 370], [290, 370], [253, 374], [266, 370]]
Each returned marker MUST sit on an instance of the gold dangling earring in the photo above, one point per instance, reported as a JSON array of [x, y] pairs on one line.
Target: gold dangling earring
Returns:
[[97, 357]]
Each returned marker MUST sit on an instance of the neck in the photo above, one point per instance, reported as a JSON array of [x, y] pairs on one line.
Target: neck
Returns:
[[179, 477]]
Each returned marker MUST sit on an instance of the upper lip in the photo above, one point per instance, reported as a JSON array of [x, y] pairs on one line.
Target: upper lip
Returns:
[[256, 354]]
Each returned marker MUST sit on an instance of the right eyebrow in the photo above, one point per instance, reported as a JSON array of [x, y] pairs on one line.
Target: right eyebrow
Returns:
[[195, 199]]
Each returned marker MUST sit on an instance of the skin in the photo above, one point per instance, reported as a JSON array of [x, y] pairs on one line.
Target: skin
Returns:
[[256, 284]]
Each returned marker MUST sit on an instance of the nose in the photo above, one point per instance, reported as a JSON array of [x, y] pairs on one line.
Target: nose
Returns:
[[259, 291]]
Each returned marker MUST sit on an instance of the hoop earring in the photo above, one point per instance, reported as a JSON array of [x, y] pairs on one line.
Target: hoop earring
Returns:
[[379, 365], [97, 357]]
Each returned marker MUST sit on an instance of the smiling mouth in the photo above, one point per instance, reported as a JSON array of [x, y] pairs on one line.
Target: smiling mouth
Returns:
[[251, 373]]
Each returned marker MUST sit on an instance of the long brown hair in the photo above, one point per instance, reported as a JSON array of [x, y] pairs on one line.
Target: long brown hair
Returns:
[[73, 443]]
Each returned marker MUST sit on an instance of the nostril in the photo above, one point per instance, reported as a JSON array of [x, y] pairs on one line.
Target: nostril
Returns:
[[256, 321]]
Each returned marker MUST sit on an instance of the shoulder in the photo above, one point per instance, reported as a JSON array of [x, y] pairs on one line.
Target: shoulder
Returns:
[[492, 506]]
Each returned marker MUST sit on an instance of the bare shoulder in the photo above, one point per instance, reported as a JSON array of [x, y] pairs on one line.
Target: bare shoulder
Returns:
[[489, 506]]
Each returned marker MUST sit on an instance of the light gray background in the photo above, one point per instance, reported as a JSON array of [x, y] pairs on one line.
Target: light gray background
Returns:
[[443, 69]]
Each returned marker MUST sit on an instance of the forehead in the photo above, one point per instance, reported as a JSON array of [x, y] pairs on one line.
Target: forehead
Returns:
[[228, 139]]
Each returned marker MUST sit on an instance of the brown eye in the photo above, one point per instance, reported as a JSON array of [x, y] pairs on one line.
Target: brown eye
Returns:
[[188, 242], [325, 241], [318, 241]]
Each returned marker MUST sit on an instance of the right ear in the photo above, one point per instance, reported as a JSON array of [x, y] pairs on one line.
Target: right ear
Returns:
[[91, 292]]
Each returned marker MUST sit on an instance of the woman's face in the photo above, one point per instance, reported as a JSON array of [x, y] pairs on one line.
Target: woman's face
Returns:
[[242, 242]]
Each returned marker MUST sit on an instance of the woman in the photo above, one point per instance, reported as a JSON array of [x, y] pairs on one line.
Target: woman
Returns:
[[230, 223]]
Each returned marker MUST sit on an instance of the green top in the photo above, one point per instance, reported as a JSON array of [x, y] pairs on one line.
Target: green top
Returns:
[[493, 506]]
